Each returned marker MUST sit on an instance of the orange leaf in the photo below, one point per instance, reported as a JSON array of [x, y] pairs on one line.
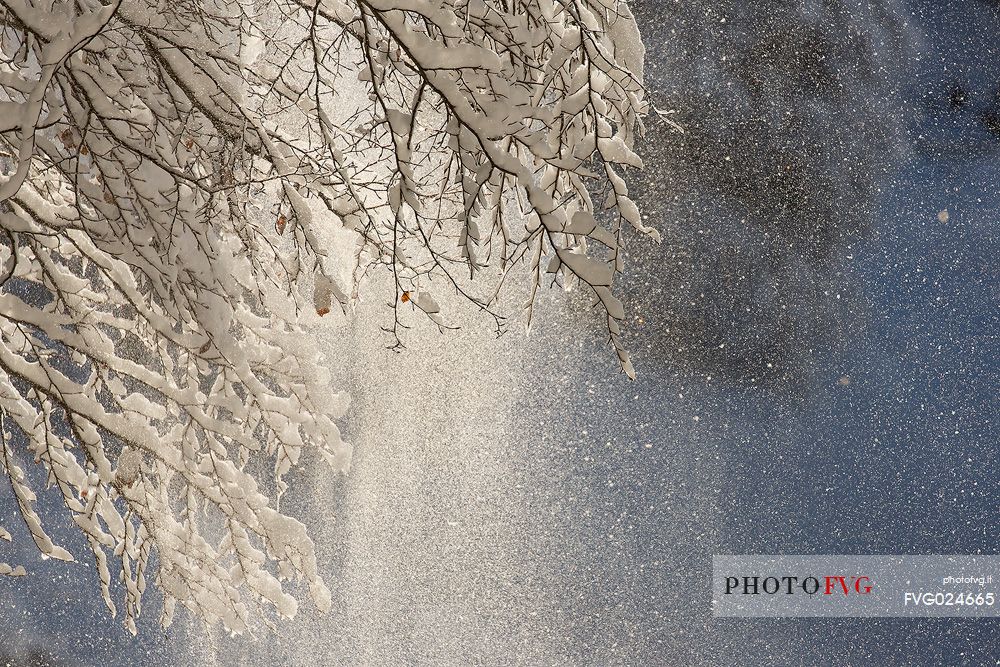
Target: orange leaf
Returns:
[[405, 297], [279, 226], [322, 311], [69, 141]]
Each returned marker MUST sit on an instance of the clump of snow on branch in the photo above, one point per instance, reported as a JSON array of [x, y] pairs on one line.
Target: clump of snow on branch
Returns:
[[164, 168]]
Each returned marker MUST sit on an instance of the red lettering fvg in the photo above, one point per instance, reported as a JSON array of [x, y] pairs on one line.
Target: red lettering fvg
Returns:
[[860, 585]]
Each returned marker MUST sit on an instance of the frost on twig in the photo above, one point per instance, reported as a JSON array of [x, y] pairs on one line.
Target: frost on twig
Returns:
[[164, 168]]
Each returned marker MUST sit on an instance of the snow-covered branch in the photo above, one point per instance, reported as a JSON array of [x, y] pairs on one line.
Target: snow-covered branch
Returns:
[[166, 168]]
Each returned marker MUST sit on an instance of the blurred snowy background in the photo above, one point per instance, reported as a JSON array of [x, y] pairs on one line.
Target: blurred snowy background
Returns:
[[816, 346]]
